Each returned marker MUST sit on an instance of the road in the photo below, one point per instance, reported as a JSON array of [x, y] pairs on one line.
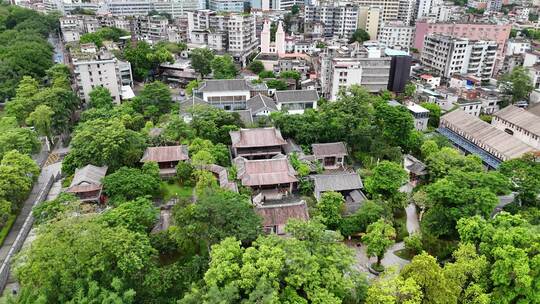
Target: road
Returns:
[[413, 225]]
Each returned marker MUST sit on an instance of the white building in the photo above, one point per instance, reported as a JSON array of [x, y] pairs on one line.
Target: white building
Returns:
[[449, 55], [94, 68], [337, 20], [471, 107], [396, 35], [421, 116], [369, 70], [522, 124], [231, 33], [517, 47], [296, 101], [226, 5], [407, 11]]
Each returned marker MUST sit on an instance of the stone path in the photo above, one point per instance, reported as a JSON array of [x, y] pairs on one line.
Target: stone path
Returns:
[[413, 225]]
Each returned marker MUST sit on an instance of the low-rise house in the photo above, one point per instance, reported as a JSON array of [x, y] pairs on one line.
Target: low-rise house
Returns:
[[276, 216], [261, 106], [330, 155], [471, 107], [473, 135], [86, 183], [257, 143], [296, 101], [270, 179], [228, 94], [166, 157], [348, 184], [415, 168], [420, 115]]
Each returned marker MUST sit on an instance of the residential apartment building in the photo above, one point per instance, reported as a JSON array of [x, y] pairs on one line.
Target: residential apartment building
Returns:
[[396, 34], [94, 68], [232, 33], [226, 5], [337, 20], [365, 67], [474, 31], [389, 8], [517, 46], [369, 19], [407, 11], [175, 8], [449, 56]]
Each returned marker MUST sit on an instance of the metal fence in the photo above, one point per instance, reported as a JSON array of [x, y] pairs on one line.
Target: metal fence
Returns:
[[23, 233]]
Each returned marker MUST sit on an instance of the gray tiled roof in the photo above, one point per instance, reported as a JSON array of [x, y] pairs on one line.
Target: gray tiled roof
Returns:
[[484, 135], [296, 95], [260, 102], [337, 182], [88, 174], [329, 149], [521, 118], [225, 85]]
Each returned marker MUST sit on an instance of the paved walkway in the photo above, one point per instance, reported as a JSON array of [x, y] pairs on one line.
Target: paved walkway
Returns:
[[413, 225]]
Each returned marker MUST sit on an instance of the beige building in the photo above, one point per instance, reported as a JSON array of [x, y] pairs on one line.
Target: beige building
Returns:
[[369, 18], [389, 8]]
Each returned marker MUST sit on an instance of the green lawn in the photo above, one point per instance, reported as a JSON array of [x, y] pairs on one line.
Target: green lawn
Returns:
[[169, 191]]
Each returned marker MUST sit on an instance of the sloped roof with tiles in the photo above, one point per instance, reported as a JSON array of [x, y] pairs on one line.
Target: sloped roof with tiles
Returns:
[[165, 154], [296, 95], [329, 149], [265, 171], [484, 135], [337, 182], [274, 215], [260, 102], [224, 85], [260, 137], [521, 118]]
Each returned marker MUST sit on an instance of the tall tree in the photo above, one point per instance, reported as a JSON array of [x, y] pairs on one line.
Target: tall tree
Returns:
[[517, 84], [525, 176], [17, 174], [331, 208], [131, 183], [223, 67], [429, 276], [379, 237], [216, 215], [104, 142], [100, 97], [41, 119], [154, 100], [359, 35], [385, 181], [201, 61]]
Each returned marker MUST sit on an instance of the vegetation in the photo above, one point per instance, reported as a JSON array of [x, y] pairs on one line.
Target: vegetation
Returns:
[[145, 59], [360, 35], [517, 85], [103, 34]]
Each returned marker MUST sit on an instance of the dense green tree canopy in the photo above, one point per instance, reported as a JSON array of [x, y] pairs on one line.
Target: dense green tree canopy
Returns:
[[138, 215], [525, 176], [510, 245], [131, 183], [223, 67], [331, 207], [201, 61], [104, 142], [100, 97], [18, 172], [71, 253], [379, 237], [256, 66], [24, 140], [216, 215], [214, 124], [103, 34], [360, 35], [145, 59], [153, 100], [517, 84], [386, 179], [309, 267], [461, 194]]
